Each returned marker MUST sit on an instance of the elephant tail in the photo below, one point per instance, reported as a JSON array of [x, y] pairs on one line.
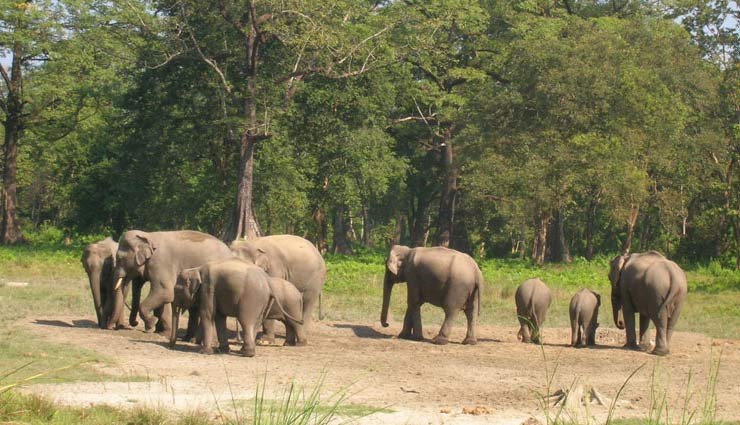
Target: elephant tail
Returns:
[[479, 288], [274, 300]]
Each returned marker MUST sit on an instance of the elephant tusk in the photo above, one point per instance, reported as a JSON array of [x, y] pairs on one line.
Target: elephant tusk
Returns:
[[118, 284]]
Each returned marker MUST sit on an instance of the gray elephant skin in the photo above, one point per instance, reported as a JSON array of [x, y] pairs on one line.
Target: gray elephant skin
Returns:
[[653, 287], [98, 260], [440, 276], [584, 318], [159, 257], [288, 257], [236, 288], [532, 299]]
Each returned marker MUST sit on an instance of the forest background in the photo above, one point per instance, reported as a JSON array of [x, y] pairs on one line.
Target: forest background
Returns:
[[515, 128]]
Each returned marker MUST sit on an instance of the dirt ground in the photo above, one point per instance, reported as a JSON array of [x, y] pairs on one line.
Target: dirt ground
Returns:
[[498, 381]]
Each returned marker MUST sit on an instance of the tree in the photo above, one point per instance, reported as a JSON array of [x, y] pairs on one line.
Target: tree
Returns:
[[260, 52]]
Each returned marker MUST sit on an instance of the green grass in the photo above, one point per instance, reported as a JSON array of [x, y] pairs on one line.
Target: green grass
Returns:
[[58, 286]]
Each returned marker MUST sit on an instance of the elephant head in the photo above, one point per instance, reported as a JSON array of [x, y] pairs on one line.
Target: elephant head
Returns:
[[134, 250], [615, 274], [186, 291], [394, 273], [251, 253], [98, 259]]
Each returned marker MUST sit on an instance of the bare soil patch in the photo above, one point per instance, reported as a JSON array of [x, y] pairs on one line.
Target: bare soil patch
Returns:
[[500, 380]]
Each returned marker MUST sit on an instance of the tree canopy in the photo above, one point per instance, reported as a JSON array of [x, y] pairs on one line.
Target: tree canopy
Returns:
[[516, 128]]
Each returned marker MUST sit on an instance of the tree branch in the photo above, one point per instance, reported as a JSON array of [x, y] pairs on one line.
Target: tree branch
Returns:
[[427, 72], [211, 63], [5, 75]]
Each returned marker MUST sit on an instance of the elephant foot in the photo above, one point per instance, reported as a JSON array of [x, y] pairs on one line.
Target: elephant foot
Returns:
[[300, 343], [660, 351], [632, 346], [470, 340], [206, 350], [133, 323], [440, 340], [164, 332], [224, 349], [123, 326], [247, 352]]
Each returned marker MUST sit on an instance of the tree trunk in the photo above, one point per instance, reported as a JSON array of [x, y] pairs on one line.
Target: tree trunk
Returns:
[[319, 219], [736, 229], [563, 251], [340, 244], [446, 216], [540, 238], [366, 226], [631, 221], [244, 223], [13, 124], [590, 224], [397, 230], [418, 224]]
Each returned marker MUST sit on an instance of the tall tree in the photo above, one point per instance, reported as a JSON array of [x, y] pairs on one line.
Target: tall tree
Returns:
[[260, 52]]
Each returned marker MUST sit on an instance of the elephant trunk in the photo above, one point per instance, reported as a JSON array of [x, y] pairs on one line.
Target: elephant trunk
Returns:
[[135, 300], [175, 325], [617, 309], [387, 288], [97, 301], [115, 305]]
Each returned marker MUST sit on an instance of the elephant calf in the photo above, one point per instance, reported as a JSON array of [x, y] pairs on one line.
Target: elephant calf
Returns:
[[287, 307], [532, 301], [235, 288], [584, 317]]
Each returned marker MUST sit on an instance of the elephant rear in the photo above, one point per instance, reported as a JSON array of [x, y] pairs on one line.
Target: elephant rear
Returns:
[[532, 299]]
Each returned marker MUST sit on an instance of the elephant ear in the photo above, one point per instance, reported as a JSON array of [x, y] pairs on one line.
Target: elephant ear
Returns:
[[194, 281], [263, 260], [144, 250], [394, 262], [617, 264]]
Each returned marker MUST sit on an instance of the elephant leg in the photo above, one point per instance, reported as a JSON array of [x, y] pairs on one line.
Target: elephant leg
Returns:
[[672, 319], [575, 330], [644, 335], [192, 324], [155, 299], [408, 324], [310, 299], [164, 320], [629, 325], [661, 337], [206, 325], [221, 333], [443, 336], [470, 337], [249, 335], [524, 329], [299, 332], [417, 333], [268, 332]]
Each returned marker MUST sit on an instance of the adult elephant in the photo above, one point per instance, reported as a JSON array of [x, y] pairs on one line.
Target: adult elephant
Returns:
[[652, 286], [288, 257], [99, 260], [443, 277], [159, 257]]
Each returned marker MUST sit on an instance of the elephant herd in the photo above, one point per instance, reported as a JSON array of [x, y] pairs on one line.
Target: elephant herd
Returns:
[[281, 277], [257, 281], [647, 284]]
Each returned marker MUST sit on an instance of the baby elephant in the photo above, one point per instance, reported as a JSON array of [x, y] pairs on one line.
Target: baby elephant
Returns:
[[235, 288], [287, 307], [532, 301], [584, 317]]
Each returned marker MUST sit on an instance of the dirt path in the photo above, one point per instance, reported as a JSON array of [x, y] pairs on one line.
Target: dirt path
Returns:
[[497, 381]]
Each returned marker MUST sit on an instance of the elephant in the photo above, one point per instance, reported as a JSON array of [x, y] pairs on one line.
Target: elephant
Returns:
[[159, 257], [532, 299], [441, 276], [236, 288], [584, 317], [99, 260], [288, 257], [652, 286]]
